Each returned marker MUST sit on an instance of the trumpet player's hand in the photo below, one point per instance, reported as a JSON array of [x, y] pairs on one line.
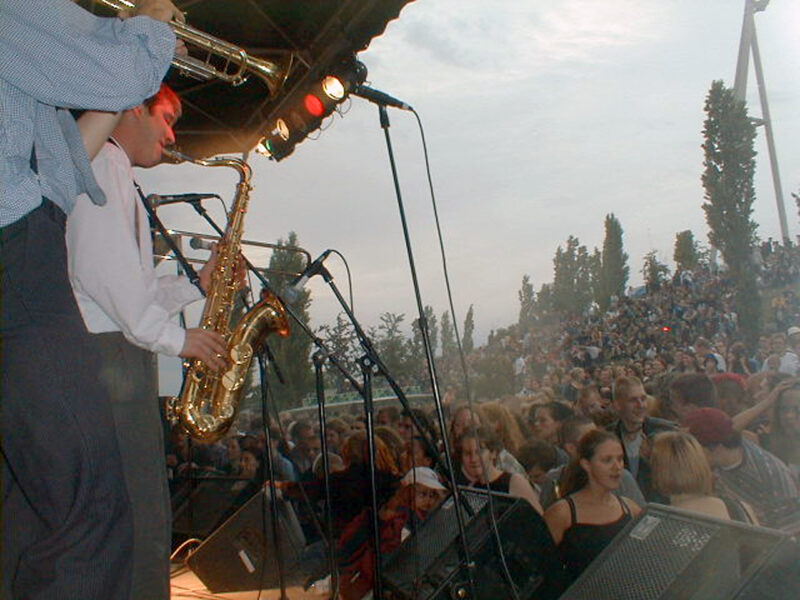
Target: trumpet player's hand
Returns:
[[208, 346], [160, 10]]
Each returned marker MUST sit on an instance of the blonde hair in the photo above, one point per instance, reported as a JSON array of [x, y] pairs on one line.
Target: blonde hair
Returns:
[[679, 465], [355, 452], [508, 431]]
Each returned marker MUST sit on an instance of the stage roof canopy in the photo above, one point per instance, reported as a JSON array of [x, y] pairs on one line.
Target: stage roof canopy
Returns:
[[317, 34]]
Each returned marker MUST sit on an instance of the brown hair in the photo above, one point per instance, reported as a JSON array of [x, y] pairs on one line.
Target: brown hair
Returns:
[[485, 437], [575, 477], [355, 452], [623, 386], [509, 432], [679, 465]]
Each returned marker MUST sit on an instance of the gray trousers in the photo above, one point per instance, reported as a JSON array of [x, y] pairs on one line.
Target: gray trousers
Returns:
[[129, 374], [65, 517]]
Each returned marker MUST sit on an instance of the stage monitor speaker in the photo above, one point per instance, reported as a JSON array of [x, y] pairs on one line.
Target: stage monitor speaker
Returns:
[[670, 554], [428, 564], [203, 507], [241, 554]]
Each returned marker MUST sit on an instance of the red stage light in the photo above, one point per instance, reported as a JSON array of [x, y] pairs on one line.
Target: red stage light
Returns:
[[314, 106], [666, 329]]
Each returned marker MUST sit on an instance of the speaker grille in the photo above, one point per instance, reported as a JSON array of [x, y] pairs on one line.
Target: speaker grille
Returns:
[[670, 554]]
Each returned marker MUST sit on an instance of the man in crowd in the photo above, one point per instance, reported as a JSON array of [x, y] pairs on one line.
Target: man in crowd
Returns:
[[691, 391], [590, 403], [793, 338], [306, 448], [789, 362], [744, 470], [702, 348], [67, 526], [636, 429], [128, 311]]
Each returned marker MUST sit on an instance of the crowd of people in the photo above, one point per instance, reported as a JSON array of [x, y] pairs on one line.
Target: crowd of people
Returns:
[[587, 466], [656, 400]]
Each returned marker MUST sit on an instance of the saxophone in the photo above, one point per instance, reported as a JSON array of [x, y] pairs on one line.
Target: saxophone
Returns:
[[209, 400]]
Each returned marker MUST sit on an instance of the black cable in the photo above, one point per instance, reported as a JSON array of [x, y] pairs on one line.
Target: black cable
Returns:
[[349, 277], [467, 386], [493, 520]]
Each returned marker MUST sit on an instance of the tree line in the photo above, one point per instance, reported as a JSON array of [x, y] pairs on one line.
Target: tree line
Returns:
[[582, 280]]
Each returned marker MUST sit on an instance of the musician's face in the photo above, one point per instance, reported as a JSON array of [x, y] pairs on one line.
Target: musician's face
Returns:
[[155, 132]]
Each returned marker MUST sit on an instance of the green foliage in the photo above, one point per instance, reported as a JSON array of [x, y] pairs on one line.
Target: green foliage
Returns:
[[614, 270], [292, 354], [467, 343], [729, 191], [686, 254], [340, 339], [448, 365], [391, 345], [572, 278], [595, 268], [545, 302], [527, 303], [654, 272], [417, 366], [448, 336], [493, 375], [728, 177]]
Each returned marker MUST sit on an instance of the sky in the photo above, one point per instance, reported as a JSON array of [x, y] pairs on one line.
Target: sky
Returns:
[[540, 118]]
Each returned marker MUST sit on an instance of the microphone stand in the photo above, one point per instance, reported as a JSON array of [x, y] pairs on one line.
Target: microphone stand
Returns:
[[319, 360], [156, 222], [320, 356], [426, 342], [273, 497], [264, 384], [369, 362]]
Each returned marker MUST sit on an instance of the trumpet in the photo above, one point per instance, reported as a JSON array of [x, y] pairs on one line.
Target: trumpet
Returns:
[[237, 64]]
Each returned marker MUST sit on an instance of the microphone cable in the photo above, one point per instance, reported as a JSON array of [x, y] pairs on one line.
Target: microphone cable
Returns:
[[468, 389]]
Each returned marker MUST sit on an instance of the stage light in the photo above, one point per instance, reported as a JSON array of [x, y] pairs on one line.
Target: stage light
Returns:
[[305, 108], [333, 88], [261, 147], [314, 106], [282, 128]]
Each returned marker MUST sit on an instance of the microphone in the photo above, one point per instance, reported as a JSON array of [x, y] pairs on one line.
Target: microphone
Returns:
[[378, 97], [292, 292], [200, 244], [157, 200]]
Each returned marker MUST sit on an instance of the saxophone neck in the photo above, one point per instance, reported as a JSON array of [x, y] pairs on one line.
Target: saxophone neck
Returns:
[[241, 166]]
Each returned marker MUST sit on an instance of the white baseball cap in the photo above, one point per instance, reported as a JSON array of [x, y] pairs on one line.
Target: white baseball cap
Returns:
[[423, 476]]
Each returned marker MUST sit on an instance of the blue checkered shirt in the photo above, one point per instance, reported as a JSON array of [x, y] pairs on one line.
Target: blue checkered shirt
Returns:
[[55, 56]]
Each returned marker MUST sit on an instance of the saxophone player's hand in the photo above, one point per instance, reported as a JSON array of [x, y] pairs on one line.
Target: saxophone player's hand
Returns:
[[208, 346], [208, 268]]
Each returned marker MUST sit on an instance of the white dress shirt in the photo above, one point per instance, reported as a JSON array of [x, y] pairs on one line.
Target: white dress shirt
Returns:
[[111, 264]]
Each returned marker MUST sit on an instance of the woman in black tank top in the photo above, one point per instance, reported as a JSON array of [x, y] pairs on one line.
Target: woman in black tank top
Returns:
[[477, 452], [590, 515]]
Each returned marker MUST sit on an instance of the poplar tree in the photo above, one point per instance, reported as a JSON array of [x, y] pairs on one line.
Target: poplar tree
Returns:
[[527, 304], [730, 164], [686, 254], [614, 270], [467, 343], [654, 272]]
